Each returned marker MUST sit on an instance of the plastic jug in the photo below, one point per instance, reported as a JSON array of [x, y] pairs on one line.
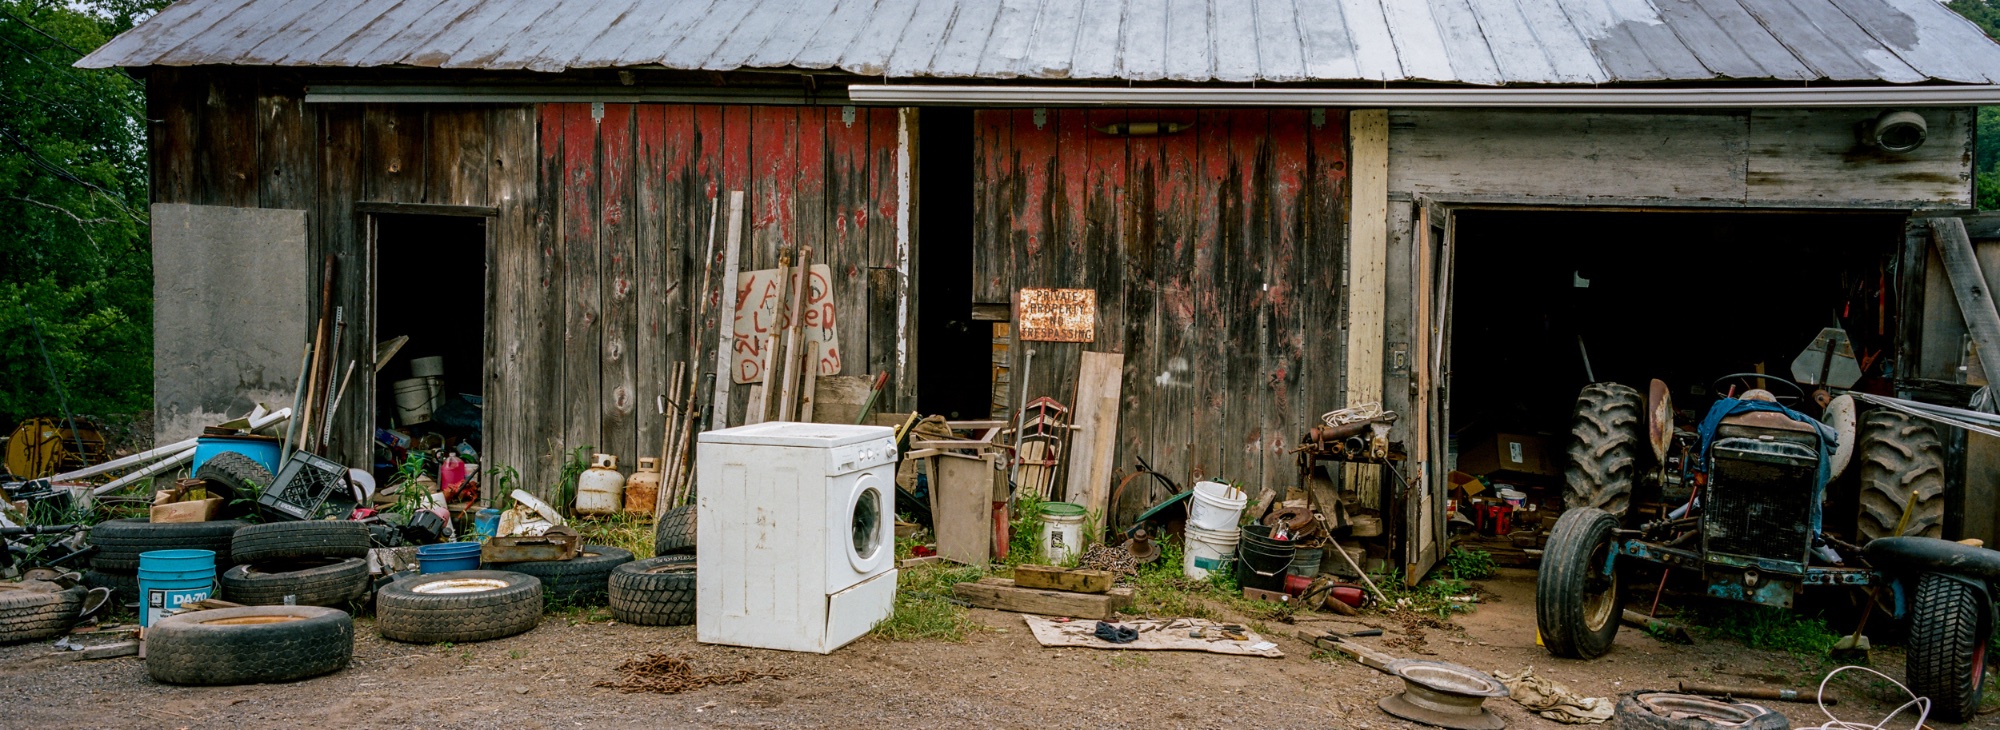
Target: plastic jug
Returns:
[[452, 473]]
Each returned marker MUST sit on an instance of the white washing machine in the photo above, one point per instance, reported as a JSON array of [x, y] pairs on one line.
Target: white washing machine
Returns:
[[795, 537]]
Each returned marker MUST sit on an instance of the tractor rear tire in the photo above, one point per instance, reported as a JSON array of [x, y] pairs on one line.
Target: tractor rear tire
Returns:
[[1606, 447], [1577, 606], [1946, 656], [1902, 461]]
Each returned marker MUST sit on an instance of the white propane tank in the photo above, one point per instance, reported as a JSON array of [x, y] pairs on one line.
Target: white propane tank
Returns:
[[600, 490]]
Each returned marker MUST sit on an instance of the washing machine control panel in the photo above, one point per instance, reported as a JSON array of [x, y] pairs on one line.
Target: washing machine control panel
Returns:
[[855, 457]]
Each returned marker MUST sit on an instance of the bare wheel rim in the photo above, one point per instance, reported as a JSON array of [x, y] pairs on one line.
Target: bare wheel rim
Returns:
[[1598, 606], [460, 585]]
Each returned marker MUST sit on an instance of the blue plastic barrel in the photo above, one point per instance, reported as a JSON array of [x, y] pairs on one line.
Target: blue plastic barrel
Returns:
[[485, 524], [260, 449], [449, 556], [170, 579]]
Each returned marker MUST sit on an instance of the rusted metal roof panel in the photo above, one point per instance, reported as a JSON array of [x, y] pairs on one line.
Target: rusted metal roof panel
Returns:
[[1483, 42]]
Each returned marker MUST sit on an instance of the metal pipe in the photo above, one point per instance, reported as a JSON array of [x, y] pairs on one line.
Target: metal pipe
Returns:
[[125, 461], [1490, 97], [178, 458]]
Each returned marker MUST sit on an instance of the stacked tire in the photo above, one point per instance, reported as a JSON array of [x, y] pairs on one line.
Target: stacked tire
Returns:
[[675, 533], [580, 581], [120, 542], [655, 591], [458, 606], [322, 563]]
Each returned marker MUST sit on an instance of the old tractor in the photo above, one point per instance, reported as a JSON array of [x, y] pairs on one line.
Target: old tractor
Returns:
[[1741, 502]]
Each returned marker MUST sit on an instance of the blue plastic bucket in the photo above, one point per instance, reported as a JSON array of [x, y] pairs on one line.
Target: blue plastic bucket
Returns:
[[170, 579], [260, 449], [485, 524], [448, 556]]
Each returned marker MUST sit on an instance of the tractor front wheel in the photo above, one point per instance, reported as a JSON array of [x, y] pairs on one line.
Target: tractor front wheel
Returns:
[[1946, 656], [1577, 603], [1606, 445]]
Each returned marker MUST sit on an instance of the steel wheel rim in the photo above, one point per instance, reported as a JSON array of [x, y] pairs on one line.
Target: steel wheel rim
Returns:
[[1598, 607]]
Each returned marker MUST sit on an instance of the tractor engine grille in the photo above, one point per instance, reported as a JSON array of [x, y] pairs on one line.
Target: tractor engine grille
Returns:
[[1758, 501]]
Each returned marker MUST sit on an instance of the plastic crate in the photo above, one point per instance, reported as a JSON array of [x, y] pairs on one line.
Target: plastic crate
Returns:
[[309, 488]]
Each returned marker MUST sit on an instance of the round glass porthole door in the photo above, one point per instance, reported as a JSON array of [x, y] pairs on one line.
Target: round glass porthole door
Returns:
[[864, 521]]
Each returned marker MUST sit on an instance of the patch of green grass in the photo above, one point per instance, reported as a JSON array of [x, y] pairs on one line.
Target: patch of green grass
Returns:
[[923, 604], [1024, 543], [1763, 627], [1466, 564], [1433, 596], [1130, 660], [622, 530]]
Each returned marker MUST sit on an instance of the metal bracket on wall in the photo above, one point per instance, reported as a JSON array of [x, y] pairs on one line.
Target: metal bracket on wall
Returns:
[[1399, 358], [597, 111], [847, 116], [1041, 117]]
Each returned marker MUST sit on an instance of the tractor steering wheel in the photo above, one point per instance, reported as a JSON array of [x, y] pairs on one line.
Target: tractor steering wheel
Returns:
[[1749, 379]]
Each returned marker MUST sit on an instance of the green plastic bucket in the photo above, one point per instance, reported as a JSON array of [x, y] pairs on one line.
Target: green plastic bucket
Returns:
[[170, 579]]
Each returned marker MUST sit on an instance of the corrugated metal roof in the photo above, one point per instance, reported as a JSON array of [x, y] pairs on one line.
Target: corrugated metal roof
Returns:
[[1489, 42]]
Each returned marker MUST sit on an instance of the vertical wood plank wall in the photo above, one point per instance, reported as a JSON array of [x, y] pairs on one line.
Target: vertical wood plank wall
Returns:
[[596, 250], [1216, 256]]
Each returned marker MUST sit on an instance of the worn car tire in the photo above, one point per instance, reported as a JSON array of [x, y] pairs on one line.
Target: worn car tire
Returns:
[[580, 581], [675, 533], [249, 645], [124, 585], [119, 542], [1576, 606], [30, 615], [1648, 710], [414, 610], [1606, 445], [329, 582], [237, 479], [1902, 459], [655, 591], [1945, 659], [296, 540]]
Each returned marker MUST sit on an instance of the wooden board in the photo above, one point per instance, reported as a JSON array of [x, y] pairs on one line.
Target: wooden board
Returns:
[[1001, 594], [757, 317], [964, 518], [1368, 251], [1090, 461], [1075, 580], [838, 398]]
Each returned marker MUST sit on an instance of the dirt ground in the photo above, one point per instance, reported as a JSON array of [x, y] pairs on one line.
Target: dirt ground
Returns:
[[996, 678]]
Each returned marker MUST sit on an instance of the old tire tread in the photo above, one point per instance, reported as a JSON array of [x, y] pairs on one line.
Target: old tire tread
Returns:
[[35, 615], [676, 532], [1630, 714], [297, 540], [647, 598], [119, 542], [1607, 440], [1946, 633], [333, 585], [183, 649], [402, 614], [1559, 586], [583, 580], [234, 476], [1901, 457]]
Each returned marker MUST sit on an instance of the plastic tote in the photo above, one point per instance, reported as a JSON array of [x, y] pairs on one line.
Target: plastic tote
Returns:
[[445, 557], [171, 579], [1216, 506]]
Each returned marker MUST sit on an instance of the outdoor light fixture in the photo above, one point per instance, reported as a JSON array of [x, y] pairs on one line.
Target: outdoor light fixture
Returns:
[[1896, 131]]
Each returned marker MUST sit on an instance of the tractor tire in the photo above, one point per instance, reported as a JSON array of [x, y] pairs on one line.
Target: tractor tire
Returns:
[[249, 645], [655, 591], [1606, 447], [675, 533], [1902, 463], [458, 606], [580, 581], [327, 582], [31, 615], [299, 540], [1668, 711], [237, 479], [120, 541], [1577, 607], [1946, 655]]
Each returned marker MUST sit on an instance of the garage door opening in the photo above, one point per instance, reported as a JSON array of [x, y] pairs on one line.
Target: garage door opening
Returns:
[[1547, 302], [430, 287]]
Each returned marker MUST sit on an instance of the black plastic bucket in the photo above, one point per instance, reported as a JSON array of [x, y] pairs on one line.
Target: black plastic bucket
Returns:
[[1261, 561]]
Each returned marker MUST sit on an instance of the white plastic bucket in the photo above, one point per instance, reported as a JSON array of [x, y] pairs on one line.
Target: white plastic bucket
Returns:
[[1062, 530], [427, 367], [1208, 550], [413, 400], [1216, 507]]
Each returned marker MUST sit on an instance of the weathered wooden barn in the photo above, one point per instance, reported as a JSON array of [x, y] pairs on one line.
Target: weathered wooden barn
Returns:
[[1461, 208]]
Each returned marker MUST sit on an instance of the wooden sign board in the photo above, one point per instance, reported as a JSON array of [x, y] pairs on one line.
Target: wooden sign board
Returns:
[[757, 294], [1056, 315]]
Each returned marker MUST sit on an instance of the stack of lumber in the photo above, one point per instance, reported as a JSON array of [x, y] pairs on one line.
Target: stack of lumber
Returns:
[[1048, 591]]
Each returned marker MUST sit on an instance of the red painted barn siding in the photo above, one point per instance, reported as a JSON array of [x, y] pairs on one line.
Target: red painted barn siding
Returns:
[[1214, 252]]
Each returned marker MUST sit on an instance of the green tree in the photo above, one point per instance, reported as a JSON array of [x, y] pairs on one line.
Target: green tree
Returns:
[[75, 258], [1986, 152]]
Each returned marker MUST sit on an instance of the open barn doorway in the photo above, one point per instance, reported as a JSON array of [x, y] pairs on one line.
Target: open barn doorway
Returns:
[[430, 328], [955, 350], [1545, 302]]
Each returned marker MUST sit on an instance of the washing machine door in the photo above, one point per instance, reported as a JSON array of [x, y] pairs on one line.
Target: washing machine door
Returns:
[[867, 528]]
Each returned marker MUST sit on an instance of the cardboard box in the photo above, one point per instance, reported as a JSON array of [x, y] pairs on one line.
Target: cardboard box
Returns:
[[1507, 452], [199, 510]]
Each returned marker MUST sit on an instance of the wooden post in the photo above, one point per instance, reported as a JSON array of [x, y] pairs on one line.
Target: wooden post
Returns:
[[794, 319], [809, 382], [1975, 303], [726, 319], [1368, 273]]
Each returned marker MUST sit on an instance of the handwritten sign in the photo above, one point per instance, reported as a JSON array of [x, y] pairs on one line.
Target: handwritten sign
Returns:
[[1057, 315], [757, 295]]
